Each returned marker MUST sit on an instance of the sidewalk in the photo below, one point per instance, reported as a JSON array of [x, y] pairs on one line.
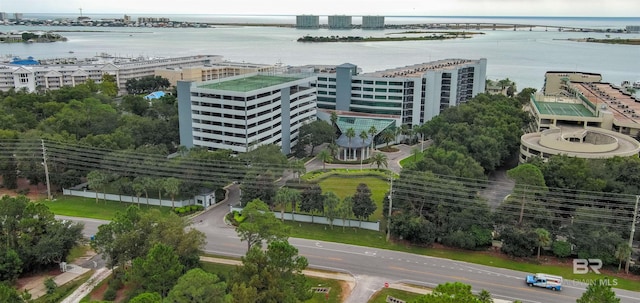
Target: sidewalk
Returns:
[[36, 286]]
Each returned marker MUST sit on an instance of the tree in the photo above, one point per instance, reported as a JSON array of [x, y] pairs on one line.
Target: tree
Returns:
[[388, 136], [518, 242], [311, 200], [350, 134], [599, 291], [527, 177], [260, 225], [138, 188], [132, 233], [147, 297], [274, 275], [622, 253], [455, 292], [372, 132], [315, 133], [345, 210], [298, 168], [544, 238], [50, 285], [198, 286], [363, 135], [97, 181], [363, 205], [561, 249], [108, 85], [285, 196], [31, 237], [334, 119], [325, 157], [10, 265], [172, 188], [9, 294], [258, 185], [331, 207], [379, 159], [158, 271]]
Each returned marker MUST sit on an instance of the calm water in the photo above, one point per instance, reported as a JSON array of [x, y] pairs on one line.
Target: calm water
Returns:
[[523, 56]]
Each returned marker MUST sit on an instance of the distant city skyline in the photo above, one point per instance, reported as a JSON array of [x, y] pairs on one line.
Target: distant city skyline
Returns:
[[563, 8]]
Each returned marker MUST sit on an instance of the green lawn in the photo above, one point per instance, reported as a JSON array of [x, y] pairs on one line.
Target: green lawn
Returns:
[[344, 186], [381, 296], [88, 208], [412, 159]]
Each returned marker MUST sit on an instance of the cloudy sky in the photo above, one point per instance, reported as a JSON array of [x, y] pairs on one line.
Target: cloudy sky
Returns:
[[571, 8]]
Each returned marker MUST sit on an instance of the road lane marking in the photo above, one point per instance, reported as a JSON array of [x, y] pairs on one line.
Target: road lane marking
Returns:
[[476, 281]]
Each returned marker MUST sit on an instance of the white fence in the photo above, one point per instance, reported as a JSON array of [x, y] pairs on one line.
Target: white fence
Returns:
[[125, 198], [322, 220]]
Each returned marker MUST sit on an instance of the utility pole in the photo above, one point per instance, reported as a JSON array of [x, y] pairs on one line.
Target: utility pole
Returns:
[[46, 170], [390, 207], [633, 231]]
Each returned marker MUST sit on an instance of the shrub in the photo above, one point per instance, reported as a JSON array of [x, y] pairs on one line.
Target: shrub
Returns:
[[561, 249], [110, 294], [50, 285]]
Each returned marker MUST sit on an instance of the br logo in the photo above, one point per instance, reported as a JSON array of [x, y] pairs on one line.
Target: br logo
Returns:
[[582, 266]]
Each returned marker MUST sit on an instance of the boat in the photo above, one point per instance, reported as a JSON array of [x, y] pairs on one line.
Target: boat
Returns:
[[636, 84], [70, 52]]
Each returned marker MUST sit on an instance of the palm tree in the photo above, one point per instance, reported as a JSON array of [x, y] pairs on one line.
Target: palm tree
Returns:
[[325, 157], [298, 168], [333, 148], [172, 188], [379, 159], [350, 134], [372, 132], [138, 188], [622, 253], [334, 119], [387, 136], [363, 136], [283, 197], [544, 238], [97, 180]]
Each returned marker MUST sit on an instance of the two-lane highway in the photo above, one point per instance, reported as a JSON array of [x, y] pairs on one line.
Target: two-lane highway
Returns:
[[390, 266]]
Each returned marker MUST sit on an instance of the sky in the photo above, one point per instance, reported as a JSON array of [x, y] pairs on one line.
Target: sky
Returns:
[[560, 8]]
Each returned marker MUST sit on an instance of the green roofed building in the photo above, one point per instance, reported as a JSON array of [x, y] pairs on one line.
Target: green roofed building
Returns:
[[237, 113]]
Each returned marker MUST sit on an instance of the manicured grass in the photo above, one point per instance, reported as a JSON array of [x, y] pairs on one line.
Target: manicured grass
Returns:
[[381, 296], [88, 208], [412, 159], [344, 186]]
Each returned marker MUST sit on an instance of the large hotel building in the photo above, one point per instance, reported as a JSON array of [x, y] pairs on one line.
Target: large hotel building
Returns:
[[238, 112]]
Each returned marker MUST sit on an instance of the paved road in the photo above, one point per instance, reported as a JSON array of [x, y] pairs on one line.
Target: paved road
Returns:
[[372, 267]]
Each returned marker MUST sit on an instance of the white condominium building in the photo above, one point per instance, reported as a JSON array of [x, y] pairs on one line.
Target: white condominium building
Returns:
[[238, 113], [54, 76]]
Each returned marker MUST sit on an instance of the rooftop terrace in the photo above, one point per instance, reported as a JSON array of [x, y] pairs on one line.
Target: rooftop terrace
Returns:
[[249, 83], [417, 70]]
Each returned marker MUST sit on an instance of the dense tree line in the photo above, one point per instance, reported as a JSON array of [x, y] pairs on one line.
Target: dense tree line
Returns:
[[147, 84], [31, 239]]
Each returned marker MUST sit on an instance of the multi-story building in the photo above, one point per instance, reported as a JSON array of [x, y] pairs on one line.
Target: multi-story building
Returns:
[[555, 81], [339, 22], [307, 21], [632, 29], [214, 71], [372, 22], [4, 16], [584, 119], [411, 95], [240, 112], [55, 76]]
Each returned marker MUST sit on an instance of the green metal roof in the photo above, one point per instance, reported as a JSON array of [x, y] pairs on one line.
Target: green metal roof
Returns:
[[249, 83]]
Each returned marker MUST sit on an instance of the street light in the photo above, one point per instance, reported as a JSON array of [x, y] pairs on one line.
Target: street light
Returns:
[[390, 207]]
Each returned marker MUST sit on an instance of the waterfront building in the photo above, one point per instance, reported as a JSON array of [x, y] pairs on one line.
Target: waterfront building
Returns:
[[307, 21], [372, 22], [409, 95], [55, 76], [238, 113], [554, 81], [339, 22], [586, 120], [632, 29], [214, 71], [4, 16]]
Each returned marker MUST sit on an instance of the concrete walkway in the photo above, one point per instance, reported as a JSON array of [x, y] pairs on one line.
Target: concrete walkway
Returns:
[[36, 286], [88, 286]]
